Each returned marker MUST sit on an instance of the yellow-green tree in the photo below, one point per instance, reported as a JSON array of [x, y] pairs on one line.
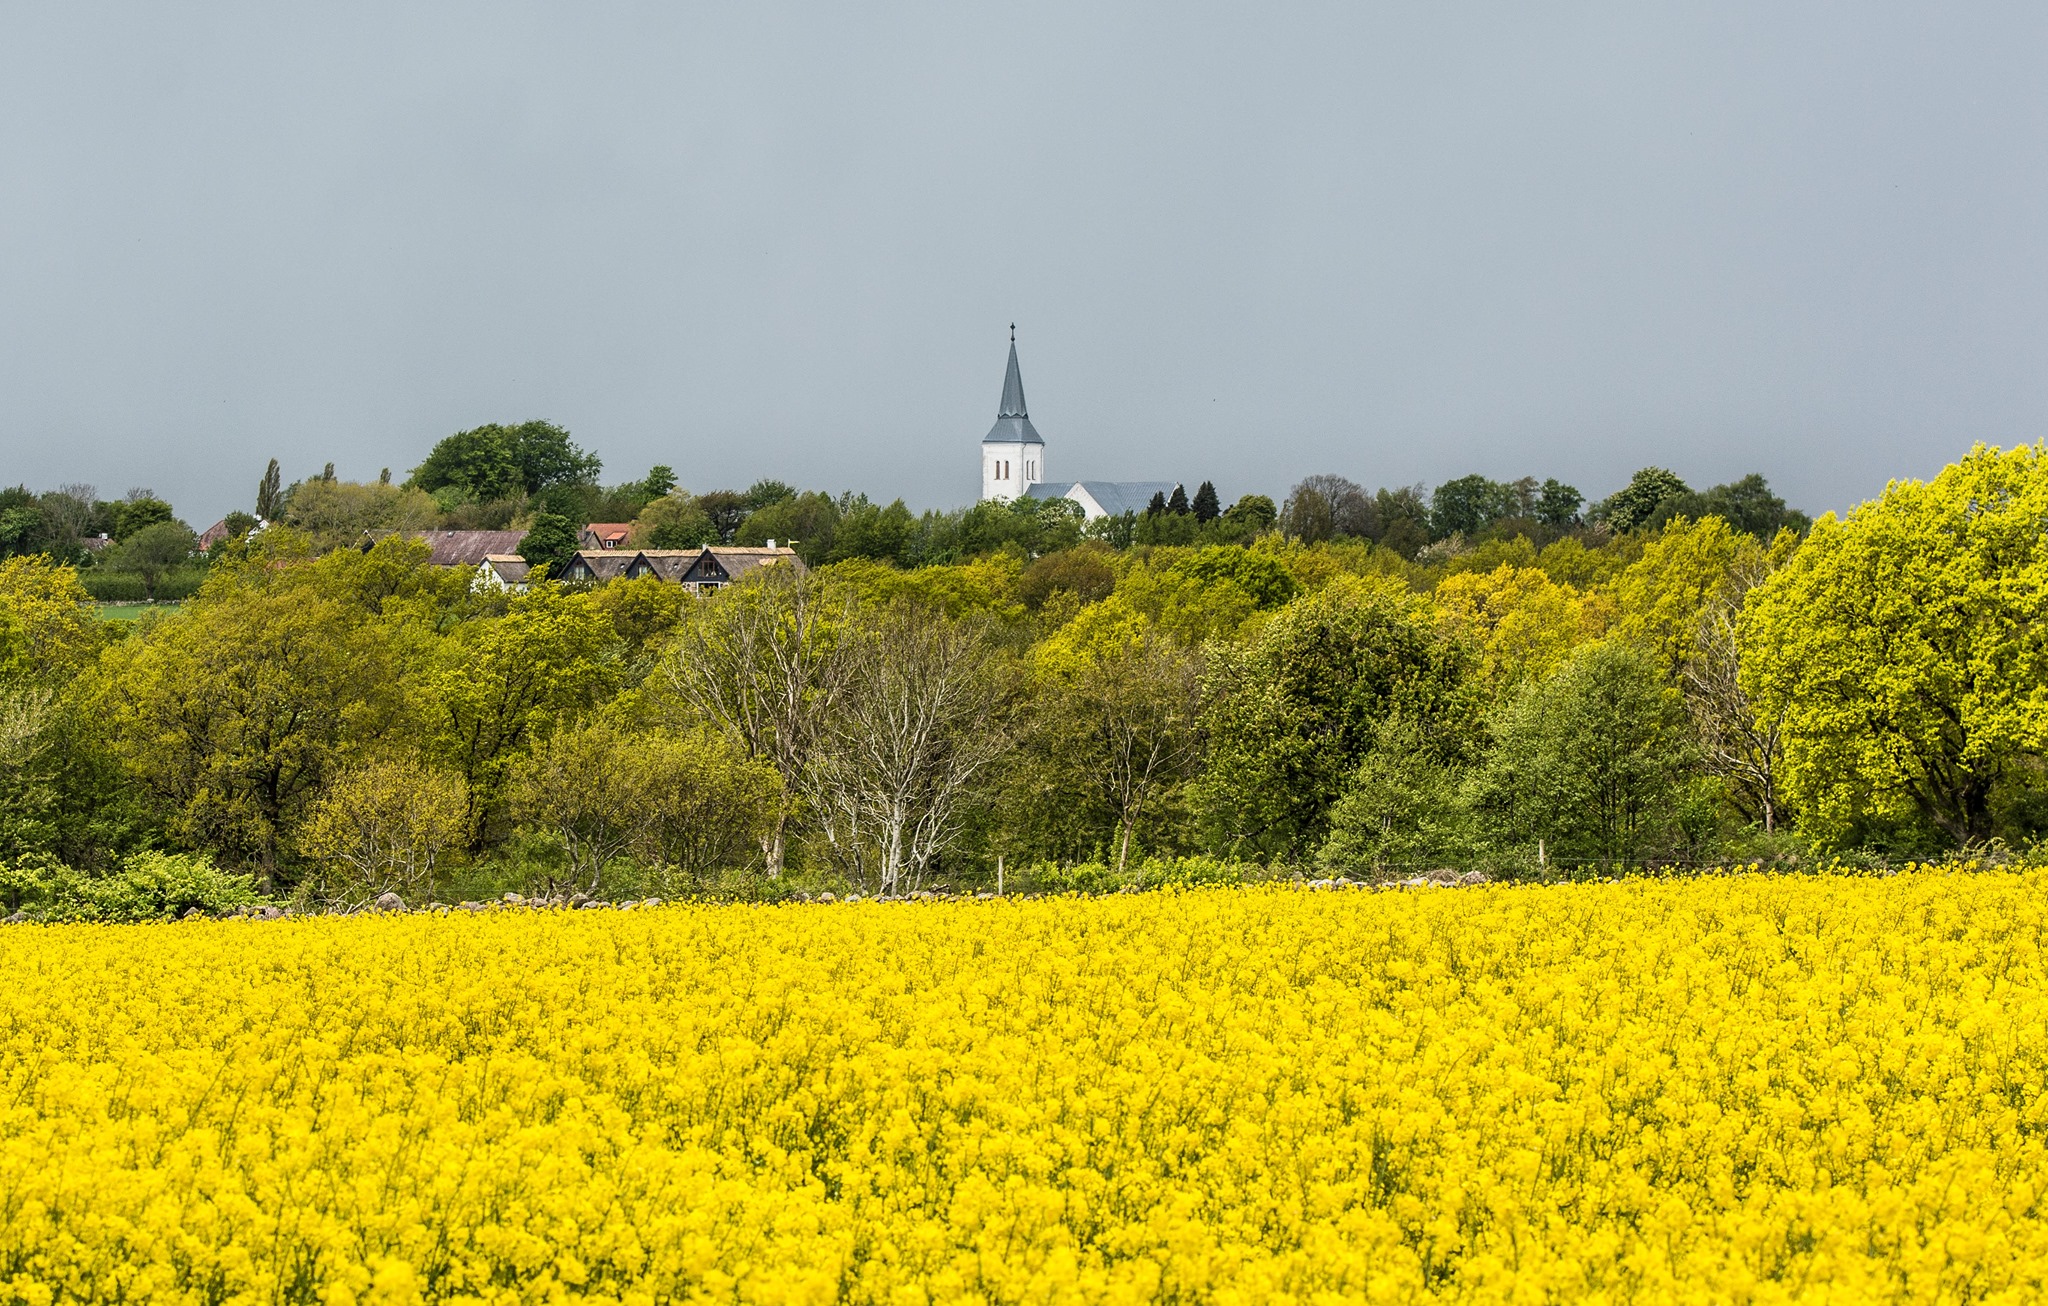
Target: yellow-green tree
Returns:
[[707, 805], [383, 826], [501, 683], [234, 712], [50, 616], [1661, 597], [1907, 648], [1522, 621], [1111, 733]]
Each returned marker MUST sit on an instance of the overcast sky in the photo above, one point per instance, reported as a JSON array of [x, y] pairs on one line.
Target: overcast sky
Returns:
[[1247, 243]]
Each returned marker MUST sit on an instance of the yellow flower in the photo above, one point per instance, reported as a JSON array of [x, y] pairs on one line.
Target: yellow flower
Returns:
[[1751, 1088]]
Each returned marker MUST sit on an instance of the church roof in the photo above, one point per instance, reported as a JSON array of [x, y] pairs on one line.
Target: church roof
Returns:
[[1114, 498], [1013, 424]]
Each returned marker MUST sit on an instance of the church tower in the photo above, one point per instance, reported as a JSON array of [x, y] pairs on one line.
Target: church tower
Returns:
[[1012, 455]]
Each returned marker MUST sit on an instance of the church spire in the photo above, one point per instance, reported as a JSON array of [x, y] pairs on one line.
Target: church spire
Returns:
[[1013, 424], [1013, 384]]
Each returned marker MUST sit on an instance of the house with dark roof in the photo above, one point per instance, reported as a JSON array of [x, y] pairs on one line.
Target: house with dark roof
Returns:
[[502, 571], [1013, 462], [596, 566], [706, 568], [467, 548]]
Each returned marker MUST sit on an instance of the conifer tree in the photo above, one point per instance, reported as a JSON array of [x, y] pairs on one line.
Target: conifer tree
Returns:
[[270, 493], [1178, 504], [1207, 507]]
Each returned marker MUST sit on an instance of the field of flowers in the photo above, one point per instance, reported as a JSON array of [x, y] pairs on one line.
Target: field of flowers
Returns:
[[1731, 1088]]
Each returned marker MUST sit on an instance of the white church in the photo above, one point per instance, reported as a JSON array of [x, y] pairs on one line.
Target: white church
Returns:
[[1013, 462]]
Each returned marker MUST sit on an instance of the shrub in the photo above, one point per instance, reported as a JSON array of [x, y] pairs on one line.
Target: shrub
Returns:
[[1191, 872], [149, 886]]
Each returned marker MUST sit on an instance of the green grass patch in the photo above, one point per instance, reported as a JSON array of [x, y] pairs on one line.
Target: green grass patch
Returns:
[[129, 611]]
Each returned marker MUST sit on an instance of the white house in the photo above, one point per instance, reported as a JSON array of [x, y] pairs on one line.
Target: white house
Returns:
[[1013, 462]]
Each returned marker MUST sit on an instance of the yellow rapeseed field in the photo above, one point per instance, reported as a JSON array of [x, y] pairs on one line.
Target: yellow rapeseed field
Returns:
[[1732, 1088]]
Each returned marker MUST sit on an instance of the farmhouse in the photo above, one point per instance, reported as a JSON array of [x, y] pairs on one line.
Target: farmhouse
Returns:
[[502, 571], [697, 570], [466, 548]]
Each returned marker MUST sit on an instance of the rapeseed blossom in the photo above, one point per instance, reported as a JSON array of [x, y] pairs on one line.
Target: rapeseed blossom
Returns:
[[1729, 1088]]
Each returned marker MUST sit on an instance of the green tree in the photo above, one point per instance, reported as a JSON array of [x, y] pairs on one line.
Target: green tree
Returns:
[[1663, 593], [551, 541], [22, 528], [660, 480], [1558, 504], [1083, 571], [341, 514], [546, 457], [727, 509], [584, 785], [1406, 807], [478, 463], [865, 530], [1637, 502], [270, 493], [674, 521], [1206, 506], [1292, 714], [1747, 505], [1590, 764], [154, 552], [234, 712], [140, 511], [502, 683], [497, 462], [1250, 516], [1110, 736], [1469, 505], [810, 523], [52, 615], [1263, 578], [1907, 652], [708, 806]]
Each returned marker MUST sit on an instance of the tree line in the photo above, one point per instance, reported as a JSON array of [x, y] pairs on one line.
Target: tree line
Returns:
[[1685, 689]]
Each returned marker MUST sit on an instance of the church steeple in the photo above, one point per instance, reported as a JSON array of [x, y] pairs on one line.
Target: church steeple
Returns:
[[1012, 454], [1013, 384], [1013, 423]]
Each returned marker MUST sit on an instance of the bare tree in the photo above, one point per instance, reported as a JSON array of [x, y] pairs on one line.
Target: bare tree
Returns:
[[918, 718], [757, 660], [1736, 744]]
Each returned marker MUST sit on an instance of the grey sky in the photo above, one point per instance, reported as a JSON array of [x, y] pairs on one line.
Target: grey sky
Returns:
[[1247, 243]]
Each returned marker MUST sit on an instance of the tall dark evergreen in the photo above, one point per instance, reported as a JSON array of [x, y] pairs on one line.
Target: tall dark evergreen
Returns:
[[1207, 507], [270, 493], [1157, 506], [1178, 504]]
